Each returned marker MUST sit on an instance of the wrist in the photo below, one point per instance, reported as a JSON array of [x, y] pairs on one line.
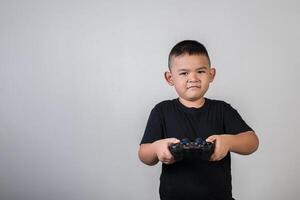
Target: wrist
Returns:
[[154, 147], [229, 139]]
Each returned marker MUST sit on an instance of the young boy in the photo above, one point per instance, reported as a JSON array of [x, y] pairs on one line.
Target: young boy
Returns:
[[192, 115]]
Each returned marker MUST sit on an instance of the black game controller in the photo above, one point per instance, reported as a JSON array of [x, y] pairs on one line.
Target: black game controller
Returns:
[[191, 149]]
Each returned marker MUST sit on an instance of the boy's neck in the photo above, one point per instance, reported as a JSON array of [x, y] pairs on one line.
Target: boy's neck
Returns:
[[193, 104]]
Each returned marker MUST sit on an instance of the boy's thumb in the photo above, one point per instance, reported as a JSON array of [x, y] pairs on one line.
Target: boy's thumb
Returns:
[[173, 140], [211, 138]]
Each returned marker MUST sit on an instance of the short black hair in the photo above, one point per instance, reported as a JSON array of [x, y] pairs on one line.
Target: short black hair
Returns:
[[190, 47]]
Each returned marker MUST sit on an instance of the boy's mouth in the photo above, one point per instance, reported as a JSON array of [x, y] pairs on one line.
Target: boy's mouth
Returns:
[[194, 86]]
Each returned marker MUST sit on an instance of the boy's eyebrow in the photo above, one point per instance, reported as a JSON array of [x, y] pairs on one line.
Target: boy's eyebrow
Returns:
[[183, 69]]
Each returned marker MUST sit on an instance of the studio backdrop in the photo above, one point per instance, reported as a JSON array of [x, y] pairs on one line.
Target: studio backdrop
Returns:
[[78, 80]]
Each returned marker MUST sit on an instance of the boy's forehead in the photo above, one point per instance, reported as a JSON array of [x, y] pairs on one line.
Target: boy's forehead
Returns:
[[189, 61]]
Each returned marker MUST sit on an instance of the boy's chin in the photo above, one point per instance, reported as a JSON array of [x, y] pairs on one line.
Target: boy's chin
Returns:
[[194, 97]]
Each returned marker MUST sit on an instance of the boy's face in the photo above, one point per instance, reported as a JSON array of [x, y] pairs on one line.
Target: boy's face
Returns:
[[190, 75]]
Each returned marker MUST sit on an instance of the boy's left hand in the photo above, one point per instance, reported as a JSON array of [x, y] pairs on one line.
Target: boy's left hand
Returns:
[[222, 146]]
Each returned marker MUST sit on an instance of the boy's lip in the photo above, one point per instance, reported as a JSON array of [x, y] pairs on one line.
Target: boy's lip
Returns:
[[193, 86]]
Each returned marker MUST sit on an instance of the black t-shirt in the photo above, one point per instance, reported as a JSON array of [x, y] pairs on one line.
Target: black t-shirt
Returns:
[[194, 179]]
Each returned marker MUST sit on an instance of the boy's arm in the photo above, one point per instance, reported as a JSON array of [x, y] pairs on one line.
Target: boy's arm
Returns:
[[243, 143], [151, 153], [147, 154]]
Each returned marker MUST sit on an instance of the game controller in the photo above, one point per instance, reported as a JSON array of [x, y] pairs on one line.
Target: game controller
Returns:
[[192, 149]]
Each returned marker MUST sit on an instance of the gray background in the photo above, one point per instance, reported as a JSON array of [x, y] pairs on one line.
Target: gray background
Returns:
[[78, 80]]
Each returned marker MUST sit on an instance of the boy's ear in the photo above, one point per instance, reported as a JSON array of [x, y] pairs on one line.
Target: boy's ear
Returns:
[[212, 73], [168, 77]]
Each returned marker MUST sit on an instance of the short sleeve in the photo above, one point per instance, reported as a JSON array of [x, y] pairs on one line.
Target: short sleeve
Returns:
[[233, 122], [154, 127]]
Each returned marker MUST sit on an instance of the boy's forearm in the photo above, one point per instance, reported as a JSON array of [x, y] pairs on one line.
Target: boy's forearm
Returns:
[[147, 154], [244, 143]]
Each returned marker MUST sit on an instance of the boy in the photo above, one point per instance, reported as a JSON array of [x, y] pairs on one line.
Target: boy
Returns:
[[191, 116]]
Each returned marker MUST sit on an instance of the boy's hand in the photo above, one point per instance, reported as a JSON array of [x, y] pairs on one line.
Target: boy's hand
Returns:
[[222, 146], [162, 150]]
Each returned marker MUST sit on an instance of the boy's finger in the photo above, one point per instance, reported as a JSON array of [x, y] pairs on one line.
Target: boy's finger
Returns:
[[167, 155], [172, 161], [213, 157]]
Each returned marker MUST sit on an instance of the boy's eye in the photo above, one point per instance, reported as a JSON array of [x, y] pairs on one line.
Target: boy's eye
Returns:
[[183, 73], [201, 72]]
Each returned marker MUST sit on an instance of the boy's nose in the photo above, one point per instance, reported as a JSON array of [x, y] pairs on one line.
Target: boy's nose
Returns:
[[193, 77]]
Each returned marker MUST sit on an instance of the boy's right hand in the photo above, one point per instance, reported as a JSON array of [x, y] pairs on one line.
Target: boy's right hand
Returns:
[[162, 150]]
